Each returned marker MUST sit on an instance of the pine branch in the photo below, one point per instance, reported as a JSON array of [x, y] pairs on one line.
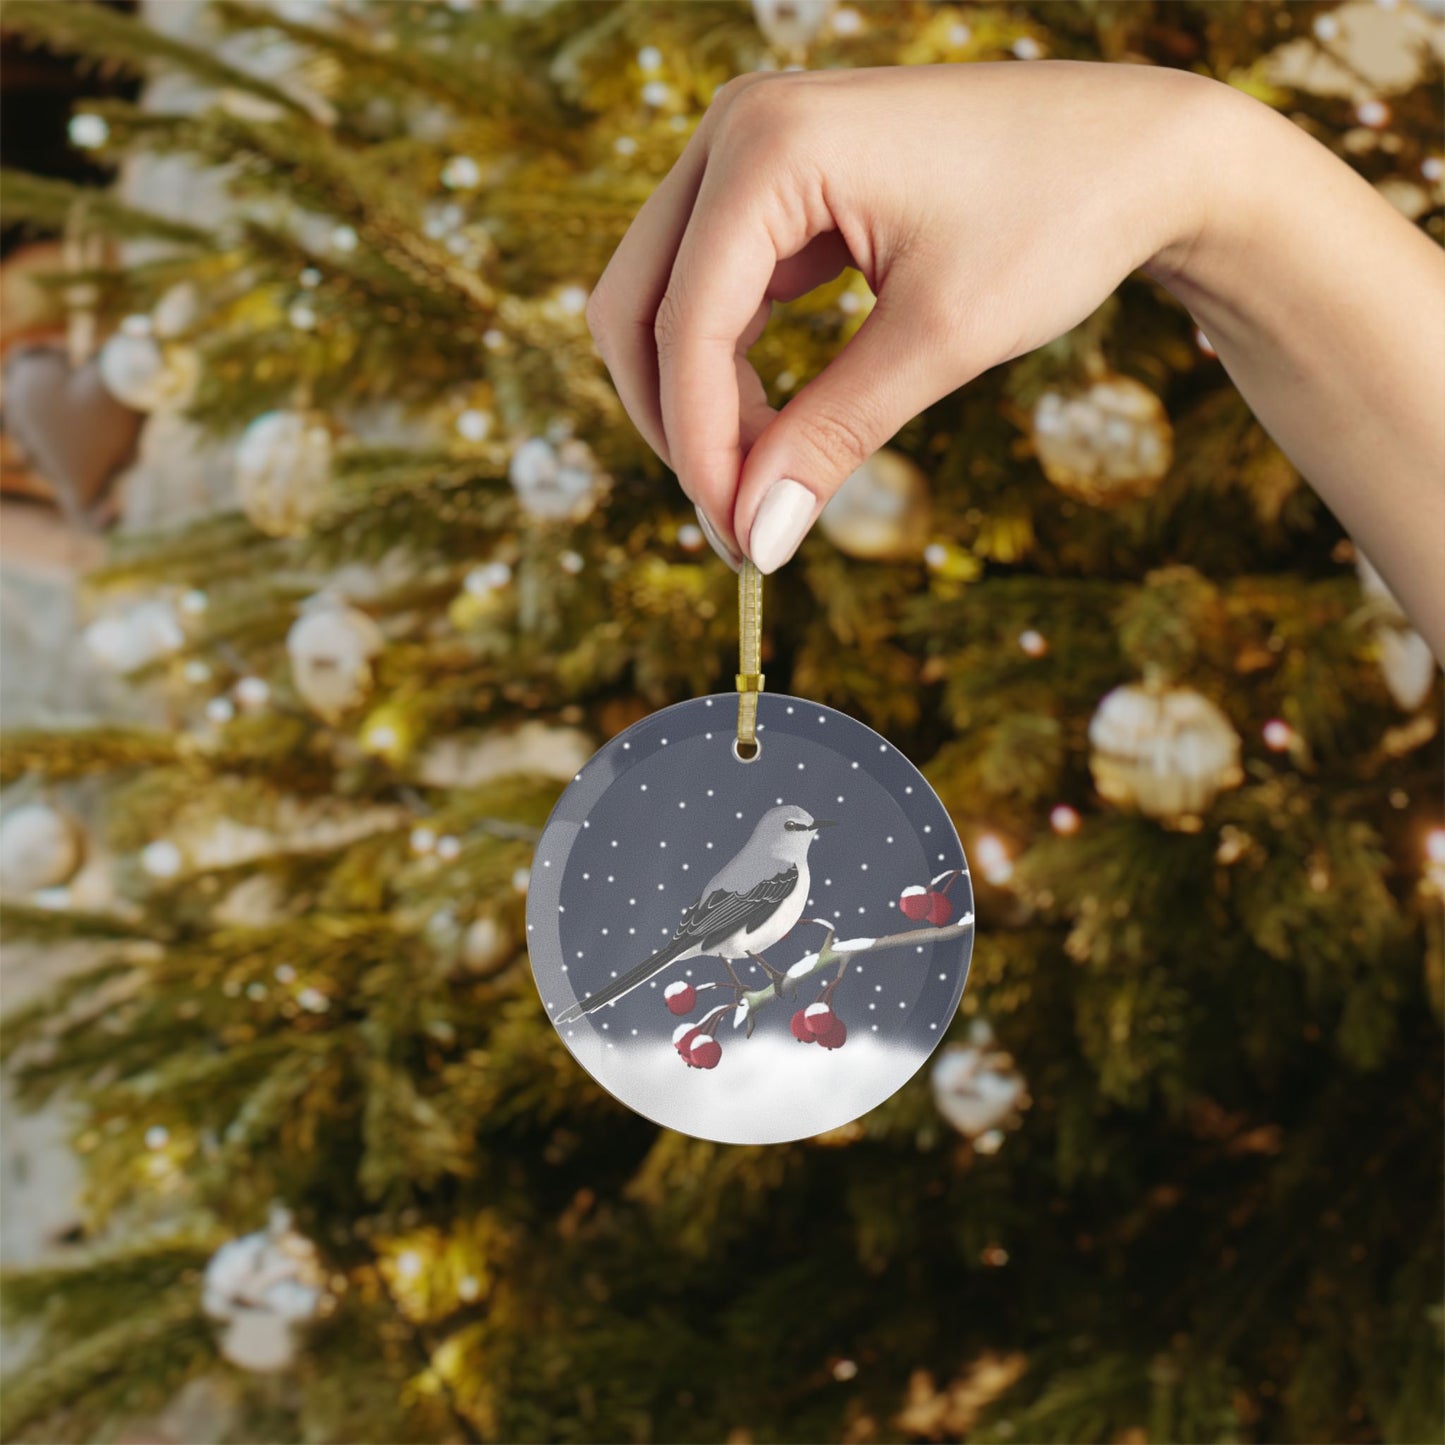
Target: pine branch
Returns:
[[65, 925], [132, 1365], [523, 110], [425, 1350], [51, 204], [81, 752], [115, 40]]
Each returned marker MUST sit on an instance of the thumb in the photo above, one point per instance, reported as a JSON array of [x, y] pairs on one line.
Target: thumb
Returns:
[[902, 360]]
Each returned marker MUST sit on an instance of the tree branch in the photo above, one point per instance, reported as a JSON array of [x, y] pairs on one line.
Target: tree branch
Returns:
[[842, 952]]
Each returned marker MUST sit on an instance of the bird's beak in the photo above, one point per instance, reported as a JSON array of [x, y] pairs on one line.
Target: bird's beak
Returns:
[[824, 823]]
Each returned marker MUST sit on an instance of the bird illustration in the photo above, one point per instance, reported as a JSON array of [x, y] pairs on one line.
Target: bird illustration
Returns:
[[747, 906]]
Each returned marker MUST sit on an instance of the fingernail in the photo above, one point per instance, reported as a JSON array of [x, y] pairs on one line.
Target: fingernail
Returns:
[[716, 542], [782, 522]]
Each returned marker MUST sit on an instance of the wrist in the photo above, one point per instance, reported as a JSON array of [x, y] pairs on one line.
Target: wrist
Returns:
[[1220, 148]]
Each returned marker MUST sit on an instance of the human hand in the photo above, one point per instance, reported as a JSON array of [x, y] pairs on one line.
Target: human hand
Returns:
[[990, 208]]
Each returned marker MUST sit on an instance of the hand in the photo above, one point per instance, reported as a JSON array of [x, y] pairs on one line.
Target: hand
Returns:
[[990, 208]]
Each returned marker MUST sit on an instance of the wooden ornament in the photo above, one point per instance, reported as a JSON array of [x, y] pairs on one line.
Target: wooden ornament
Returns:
[[76, 434]]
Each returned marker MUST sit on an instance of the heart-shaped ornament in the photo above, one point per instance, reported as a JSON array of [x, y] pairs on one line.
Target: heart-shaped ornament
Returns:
[[74, 431]]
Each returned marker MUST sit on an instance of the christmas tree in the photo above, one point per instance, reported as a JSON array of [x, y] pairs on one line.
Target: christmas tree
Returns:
[[1176, 1173]]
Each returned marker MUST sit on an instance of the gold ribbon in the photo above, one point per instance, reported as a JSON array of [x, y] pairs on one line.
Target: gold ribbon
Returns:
[[750, 647]]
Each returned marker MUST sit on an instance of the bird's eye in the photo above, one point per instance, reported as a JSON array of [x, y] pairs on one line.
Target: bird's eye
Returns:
[[795, 827]]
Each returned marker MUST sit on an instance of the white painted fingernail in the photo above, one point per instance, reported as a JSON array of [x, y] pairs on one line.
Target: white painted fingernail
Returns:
[[787, 511], [715, 541]]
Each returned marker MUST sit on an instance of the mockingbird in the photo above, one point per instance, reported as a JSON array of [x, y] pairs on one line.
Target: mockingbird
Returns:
[[747, 906]]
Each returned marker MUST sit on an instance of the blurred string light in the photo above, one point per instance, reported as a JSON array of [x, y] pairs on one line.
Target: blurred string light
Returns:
[[474, 425], [1435, 858], [1033, 642], [1278, 735], [1373, 113], [461, 173], [313, 1000], [489, 577], [252, 692], [88, 132], [161, 859], [1064, 820], [572, 300]]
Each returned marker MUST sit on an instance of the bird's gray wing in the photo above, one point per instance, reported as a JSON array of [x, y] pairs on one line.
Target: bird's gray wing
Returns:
[[719, 914]]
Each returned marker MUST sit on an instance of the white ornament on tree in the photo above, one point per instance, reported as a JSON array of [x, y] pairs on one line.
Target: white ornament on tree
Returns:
[[261, 1287], [283, 470], [1405, 657], [331, 647], [1164, 751], [555, 481], [142, 373], [976, 1086], [162, 859], [40, 847], [136, 636], [486, 945], [792, 25], [881, 512], [1108, 443]]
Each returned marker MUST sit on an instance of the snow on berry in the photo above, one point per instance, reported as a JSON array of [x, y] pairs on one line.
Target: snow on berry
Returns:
[[940, 910], [680, 996], [799, 1026], [682, 1037], [818, 1017], [705, 1053], [834, 1035], [914, 903]]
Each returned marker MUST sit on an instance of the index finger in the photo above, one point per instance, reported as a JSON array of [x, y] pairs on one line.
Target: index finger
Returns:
[[718, 287]]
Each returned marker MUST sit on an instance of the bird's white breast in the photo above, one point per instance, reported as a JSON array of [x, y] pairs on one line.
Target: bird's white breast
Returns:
[[788, 913]]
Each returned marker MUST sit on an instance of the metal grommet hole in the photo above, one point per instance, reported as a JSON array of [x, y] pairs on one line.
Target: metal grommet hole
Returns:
[[747, 757]]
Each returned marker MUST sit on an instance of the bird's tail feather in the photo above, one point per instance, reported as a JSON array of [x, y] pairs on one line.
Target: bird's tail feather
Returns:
[[626, 983]]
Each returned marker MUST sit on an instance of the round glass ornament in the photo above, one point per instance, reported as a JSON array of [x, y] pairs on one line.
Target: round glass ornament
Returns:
[[750, 950]]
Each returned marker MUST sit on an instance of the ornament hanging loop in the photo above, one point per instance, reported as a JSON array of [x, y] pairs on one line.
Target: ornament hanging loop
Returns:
[[750, 645]]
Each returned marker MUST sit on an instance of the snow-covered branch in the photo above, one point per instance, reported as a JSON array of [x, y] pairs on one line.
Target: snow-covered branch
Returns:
[[840, 952]]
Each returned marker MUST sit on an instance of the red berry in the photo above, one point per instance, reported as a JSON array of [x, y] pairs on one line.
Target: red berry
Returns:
[[705, 1053], [940, 910], [817, 1017], [835, 1035], [682, 1037], [914, 903], [799, 1026], [680, 997]]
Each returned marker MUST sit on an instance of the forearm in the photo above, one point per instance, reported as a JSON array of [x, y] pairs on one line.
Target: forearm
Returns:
[[1327, 309]]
